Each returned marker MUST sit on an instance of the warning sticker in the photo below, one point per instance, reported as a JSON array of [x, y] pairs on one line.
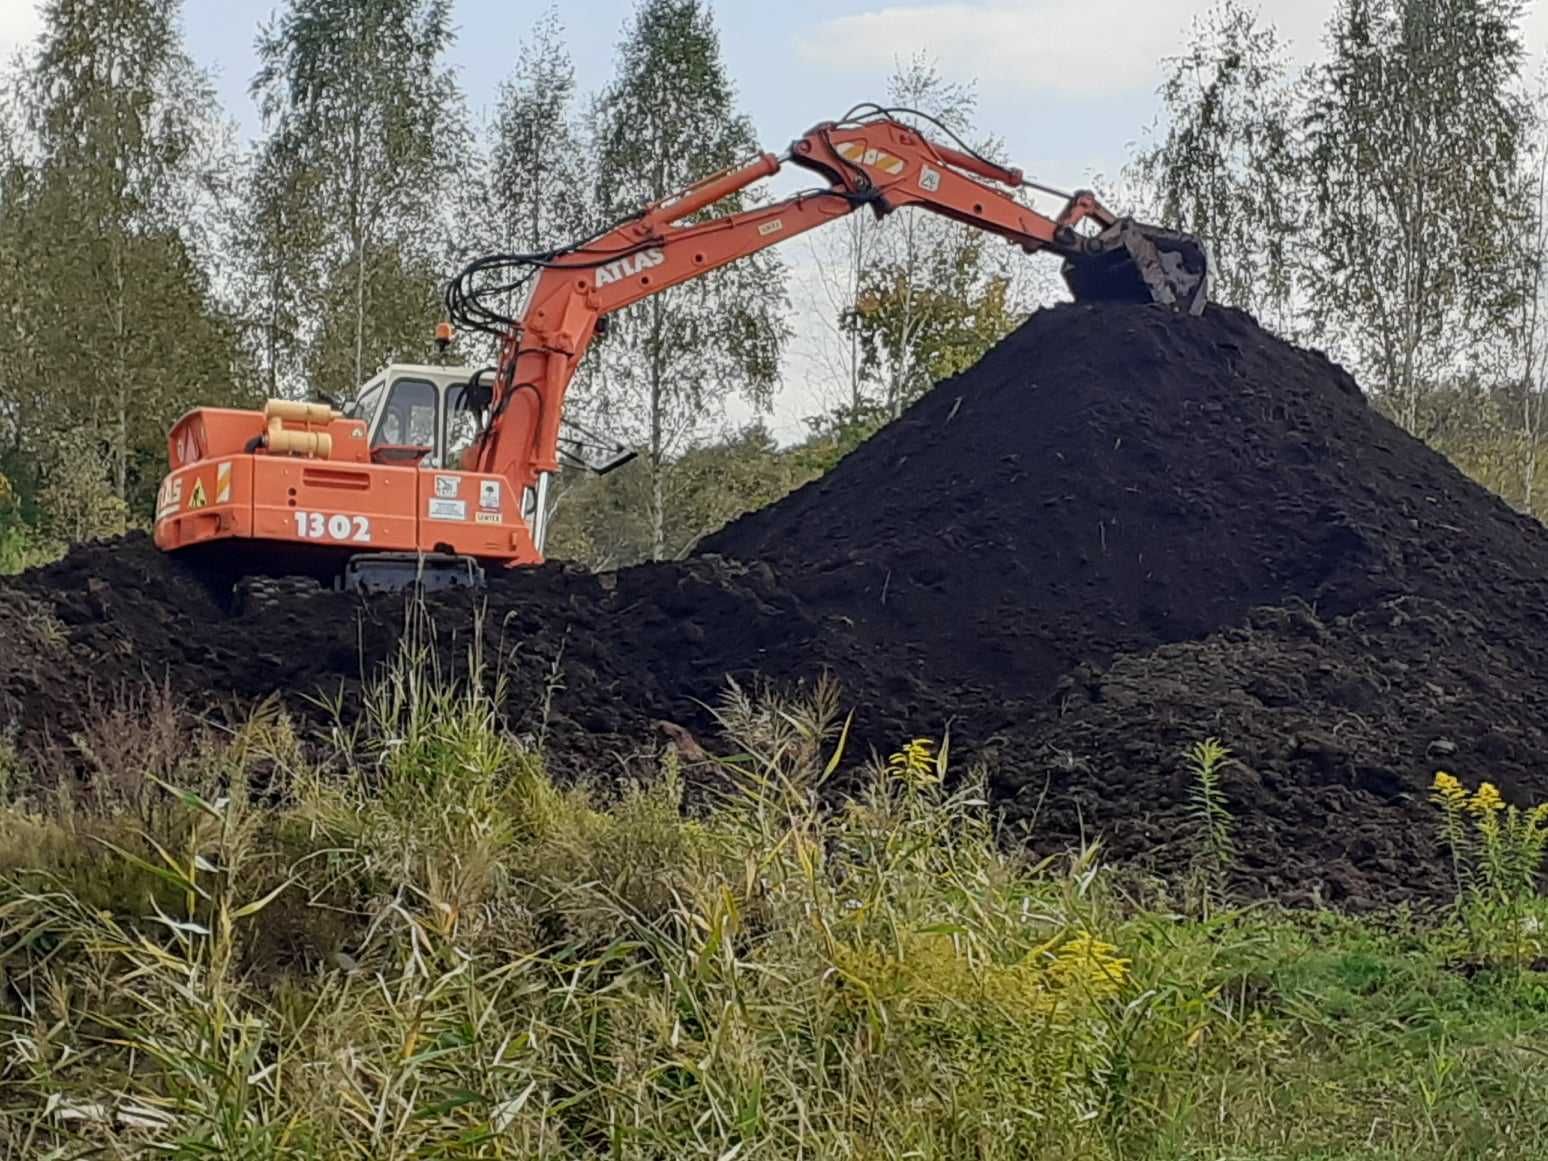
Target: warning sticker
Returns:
[[447, 487], [489, 494], [170, 498], [448, 510], [929, 179], [197, 498], [487, 517], [223, 483]]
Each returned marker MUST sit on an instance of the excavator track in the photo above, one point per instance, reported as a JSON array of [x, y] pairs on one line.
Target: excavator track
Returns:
[[253, 596]]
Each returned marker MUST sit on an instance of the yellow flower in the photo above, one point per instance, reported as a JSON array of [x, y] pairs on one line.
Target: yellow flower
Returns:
[[1090, 964], [1486, 800], [1449, 792], [914, 764]]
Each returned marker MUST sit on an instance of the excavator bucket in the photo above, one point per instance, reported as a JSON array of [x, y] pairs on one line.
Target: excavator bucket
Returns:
[[1129, 262]]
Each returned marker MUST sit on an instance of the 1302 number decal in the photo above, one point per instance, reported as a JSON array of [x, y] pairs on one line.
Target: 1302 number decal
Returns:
[[321, 526]]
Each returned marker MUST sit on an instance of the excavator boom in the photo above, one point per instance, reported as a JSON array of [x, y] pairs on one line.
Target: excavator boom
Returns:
[[870, 159]]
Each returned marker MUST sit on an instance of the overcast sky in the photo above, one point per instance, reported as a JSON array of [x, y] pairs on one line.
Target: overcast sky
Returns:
[[1068, 85]]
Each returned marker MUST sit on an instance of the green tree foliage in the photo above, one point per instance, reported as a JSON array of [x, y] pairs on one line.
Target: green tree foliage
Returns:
[[928, 321], [597, 519], [930, 295], [1415, 130], [1228, 168], [101, 205], [669, 118], [538, 177], [1523, 346], [274, 235], [533, 190], [363, 121]]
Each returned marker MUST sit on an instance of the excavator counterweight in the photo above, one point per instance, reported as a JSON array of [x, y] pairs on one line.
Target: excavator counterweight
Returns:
[[446, 471]]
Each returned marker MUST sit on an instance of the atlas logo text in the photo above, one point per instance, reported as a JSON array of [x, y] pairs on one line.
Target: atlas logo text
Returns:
[[624, 267]]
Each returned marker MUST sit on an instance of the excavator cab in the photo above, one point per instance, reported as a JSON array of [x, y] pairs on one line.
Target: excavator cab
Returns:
[[374, 494], [381, 493], [413, 415]]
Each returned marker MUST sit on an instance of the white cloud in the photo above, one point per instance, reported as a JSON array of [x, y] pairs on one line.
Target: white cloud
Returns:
[[1061, 46], [1036, 44], [20, 21]]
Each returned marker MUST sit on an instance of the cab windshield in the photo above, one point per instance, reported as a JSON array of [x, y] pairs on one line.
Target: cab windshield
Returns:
[[406, 430]]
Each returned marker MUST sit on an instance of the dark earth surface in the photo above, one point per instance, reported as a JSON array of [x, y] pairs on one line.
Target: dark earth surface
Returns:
[[1123, 531]]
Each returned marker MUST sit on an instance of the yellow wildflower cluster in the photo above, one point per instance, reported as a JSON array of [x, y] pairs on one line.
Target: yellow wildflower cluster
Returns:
[[1495, 848], [915, 765], [1049, 982], [1486, 800], [1090, 965], [1449, 792]]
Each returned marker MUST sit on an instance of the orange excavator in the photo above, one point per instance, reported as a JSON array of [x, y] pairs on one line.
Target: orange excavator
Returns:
[[433, 475]]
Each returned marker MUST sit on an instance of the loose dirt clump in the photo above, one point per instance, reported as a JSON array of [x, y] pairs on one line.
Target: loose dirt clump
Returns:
[[1122, 531]]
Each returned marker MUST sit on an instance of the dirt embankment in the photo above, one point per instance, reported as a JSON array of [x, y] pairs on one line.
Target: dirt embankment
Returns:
[[1123, 530]]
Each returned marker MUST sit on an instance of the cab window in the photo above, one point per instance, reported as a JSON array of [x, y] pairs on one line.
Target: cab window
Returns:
[[408, 416], [365, 406], [462, 425]]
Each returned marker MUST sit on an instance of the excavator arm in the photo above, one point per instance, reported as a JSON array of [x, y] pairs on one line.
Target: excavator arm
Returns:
[[869, 159]]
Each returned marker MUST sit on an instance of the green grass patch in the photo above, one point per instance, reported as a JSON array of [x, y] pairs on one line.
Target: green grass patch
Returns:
[[411, 943]]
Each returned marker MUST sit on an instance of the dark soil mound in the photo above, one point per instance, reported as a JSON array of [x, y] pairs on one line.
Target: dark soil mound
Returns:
[[1337, 728], [626, 649], [1123, 531], [1109, 479]]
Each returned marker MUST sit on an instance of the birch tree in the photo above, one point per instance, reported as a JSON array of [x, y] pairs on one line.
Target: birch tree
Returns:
[[538, 175], [931, 295], [670, 363], [121, 330], [1228, 168], [362, 117], [1525, 346], [1415, 130]]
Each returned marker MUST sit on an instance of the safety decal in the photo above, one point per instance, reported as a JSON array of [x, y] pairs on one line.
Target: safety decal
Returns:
[[886, 162], [447, 487], [223, 483], [197, 498], [170, 498], [487, 517], [929, 179], [489, 494], [448, 510]]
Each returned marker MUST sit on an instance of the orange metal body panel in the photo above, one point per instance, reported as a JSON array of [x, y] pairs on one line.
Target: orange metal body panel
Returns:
[[219, 490]]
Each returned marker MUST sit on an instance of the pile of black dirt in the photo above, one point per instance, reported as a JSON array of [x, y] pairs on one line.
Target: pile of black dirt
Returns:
[[1137, 529], [1110, 479], [594, 662], [1123, 531]]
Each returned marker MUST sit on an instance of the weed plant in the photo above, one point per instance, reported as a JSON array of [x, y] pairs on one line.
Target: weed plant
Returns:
[[1497, 856]]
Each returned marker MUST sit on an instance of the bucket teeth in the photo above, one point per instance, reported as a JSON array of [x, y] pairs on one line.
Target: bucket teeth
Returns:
[[1129, 262]]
